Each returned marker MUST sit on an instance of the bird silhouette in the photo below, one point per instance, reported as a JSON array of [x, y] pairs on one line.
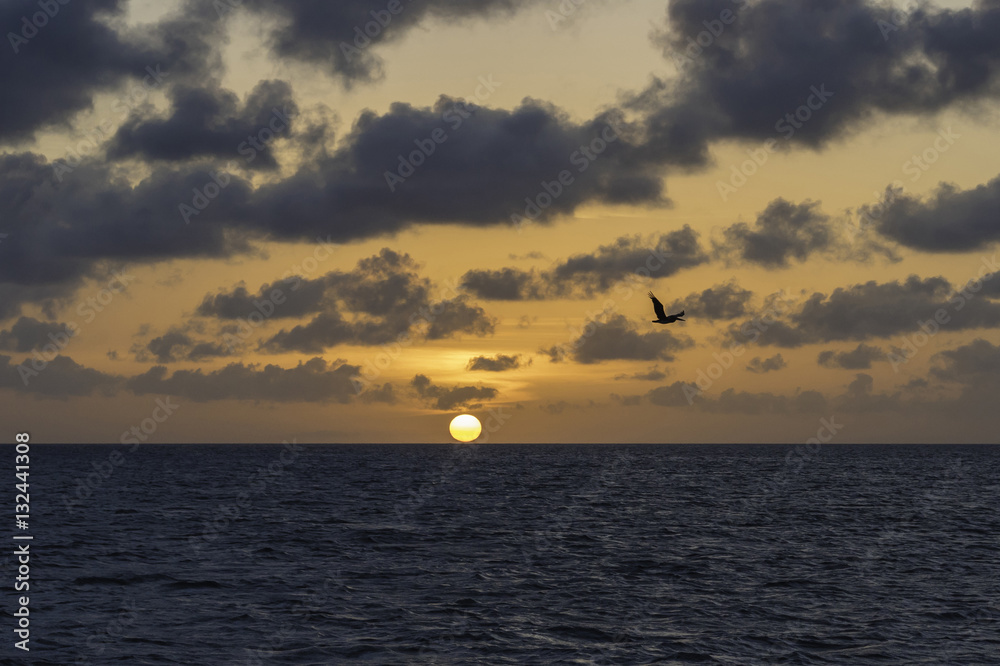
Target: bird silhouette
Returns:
[[663, 317]]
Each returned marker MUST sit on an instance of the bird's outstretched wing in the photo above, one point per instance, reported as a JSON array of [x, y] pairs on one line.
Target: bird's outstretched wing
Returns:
[[679, 314], [658, 307]]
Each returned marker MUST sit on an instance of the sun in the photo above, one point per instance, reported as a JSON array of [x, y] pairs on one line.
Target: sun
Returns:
[[465, 427]]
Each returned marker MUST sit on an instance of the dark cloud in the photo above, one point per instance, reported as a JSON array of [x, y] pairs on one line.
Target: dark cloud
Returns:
[[62, 65], [61, 377], [28, 333], [861, 397], [315, 380], [60, 231], [583, 275], [506, 284], [878, 310], [681, 394], [291, 297], [783, 231], [616, 338], [178, 344], [767, 62], [343, 38], [82, 51], [382, 300], [722, 301], [208, 121], [627, 400], [860, 358], [950, 220], [498, 363], [762, 366], [491, 162], [652, 375], [974, 364], [447, 399]]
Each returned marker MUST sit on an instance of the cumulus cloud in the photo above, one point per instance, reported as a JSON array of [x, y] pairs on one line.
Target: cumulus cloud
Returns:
[[762, 366], [28, 333], [382, 300], [316, 380], [783, 231], [950, 220], [654, 374], [209, 121], [730, 401], [722, 301], [876, 310], [61, 377], [860, 358], [498, 363], [768, 61], [581, 276], [448, 398], [614, 337]]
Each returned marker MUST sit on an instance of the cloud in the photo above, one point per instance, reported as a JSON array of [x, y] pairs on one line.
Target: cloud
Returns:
[[498, 363], [783, 231], [505, 284], [766, 64], [28, 333], [583, 275], [616, 338], [731, 401], [447, 399], [860, 358], [763, 366], [176, 345], [949, 220], [493, 160], [315, 380], [722, 301], [61, 377], [343, 38], [384, 299], [876, 310], [976, 364], [654, 374], [627, 400], [208, 121]]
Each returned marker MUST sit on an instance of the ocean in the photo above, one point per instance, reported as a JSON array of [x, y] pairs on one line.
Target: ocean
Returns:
[[511, 554]]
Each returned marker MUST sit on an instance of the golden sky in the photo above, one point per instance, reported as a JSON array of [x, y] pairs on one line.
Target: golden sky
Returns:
[[359, 350]]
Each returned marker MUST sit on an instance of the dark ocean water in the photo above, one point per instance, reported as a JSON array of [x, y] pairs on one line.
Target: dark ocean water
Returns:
[[513, 555]]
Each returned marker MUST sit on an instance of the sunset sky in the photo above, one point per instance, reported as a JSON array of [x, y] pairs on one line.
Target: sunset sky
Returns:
[[279, 226]]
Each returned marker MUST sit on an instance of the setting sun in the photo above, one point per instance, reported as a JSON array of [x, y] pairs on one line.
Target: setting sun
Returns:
[[465, 428]]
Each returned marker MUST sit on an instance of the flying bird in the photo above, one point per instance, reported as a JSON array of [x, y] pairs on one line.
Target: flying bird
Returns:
[[663, 318]]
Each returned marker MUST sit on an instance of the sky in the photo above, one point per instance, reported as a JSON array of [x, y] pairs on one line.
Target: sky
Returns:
[[262, 221]]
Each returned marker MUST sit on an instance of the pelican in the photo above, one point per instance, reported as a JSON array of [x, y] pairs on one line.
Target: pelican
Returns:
[[663, 317]]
